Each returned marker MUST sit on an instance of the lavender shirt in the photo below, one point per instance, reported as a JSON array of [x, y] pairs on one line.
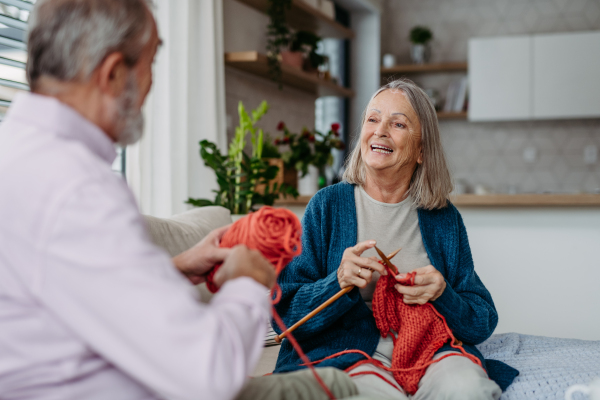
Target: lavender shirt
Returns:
[[89, 308]]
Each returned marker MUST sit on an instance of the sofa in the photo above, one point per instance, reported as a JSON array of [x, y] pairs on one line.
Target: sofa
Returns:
[[180, 232]]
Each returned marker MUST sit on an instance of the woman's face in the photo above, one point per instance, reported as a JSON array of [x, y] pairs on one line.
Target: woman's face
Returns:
[[391, 134]]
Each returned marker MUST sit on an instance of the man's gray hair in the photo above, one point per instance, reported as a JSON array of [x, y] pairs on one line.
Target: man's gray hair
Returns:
[[431, 184], [69, 39]]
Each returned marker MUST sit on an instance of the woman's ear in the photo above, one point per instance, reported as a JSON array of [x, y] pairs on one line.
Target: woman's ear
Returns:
[[420, 158]]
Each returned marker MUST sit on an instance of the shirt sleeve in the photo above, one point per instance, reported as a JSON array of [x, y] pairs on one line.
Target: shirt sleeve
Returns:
[[121, 295]]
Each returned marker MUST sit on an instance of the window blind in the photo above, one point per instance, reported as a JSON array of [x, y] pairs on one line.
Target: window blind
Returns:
[[14, 15]]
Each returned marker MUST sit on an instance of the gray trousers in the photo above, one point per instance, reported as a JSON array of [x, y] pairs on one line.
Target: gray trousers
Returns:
[[299, 385], [451, 378]]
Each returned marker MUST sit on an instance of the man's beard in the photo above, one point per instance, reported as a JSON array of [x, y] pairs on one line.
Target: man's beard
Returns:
[[130, 124]]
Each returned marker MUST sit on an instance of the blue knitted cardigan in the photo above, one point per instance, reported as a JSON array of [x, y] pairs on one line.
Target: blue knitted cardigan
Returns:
[[329, 227]]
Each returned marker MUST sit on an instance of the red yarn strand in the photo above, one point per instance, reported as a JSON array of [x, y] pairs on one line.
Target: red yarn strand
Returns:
[[276, 233]]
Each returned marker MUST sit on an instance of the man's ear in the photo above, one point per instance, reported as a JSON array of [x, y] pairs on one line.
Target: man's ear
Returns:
[[112, 74]]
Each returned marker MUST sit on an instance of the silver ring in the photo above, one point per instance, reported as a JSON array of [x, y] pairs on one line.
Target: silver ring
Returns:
[[359, 271]]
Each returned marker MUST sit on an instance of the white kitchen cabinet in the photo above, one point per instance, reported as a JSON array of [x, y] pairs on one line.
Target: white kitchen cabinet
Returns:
[[500, 78], [566, 75]]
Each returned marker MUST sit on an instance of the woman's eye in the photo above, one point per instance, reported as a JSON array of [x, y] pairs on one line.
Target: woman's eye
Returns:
[[372, 120], [399, 125]]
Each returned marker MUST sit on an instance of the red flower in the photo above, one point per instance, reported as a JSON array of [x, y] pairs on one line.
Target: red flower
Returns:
[[280, 126], [335, 127], [286, 140], [311, 138], [277, 142]]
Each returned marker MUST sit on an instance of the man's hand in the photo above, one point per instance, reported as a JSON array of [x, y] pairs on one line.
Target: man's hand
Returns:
[[245, 262], [196, 262], [429, 285]]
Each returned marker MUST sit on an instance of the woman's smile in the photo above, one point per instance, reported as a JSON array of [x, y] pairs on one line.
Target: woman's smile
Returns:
[[381, 149]]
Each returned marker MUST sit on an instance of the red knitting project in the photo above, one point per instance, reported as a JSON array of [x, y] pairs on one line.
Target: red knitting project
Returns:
[[421, 331], [276, 233]]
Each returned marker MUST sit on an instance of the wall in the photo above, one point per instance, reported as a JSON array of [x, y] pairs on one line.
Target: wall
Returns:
[[492, 153], [245, 29]]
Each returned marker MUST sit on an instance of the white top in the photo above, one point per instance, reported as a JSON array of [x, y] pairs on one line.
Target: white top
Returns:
[[392, 226], [89, 308]]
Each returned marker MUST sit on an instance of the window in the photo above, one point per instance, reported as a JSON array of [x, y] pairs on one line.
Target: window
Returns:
[[13, 50], [14, 15]]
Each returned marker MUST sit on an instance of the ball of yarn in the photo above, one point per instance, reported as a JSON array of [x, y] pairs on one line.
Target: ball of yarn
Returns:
[[275, 232]]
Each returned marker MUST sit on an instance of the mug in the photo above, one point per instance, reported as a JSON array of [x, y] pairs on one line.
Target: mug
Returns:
[[592, 390]]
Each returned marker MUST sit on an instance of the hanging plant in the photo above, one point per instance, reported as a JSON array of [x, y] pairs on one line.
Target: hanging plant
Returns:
[[278, 35]]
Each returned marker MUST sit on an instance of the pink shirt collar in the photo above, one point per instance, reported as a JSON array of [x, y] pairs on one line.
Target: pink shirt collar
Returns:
[[49, 114]]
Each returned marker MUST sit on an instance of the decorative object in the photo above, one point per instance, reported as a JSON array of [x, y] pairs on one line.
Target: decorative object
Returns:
[[307, 43], [308, 184], [240, 176], [592, 390], [293, 58], [420, 51], [277, 35], [389, 60], [328, 8]]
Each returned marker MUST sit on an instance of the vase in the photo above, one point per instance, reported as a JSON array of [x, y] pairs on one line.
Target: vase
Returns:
[[420, 53], [292, 58], [309, 184]]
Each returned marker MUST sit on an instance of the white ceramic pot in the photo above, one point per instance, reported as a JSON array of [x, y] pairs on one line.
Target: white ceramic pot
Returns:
[[420, 53], [309, 185], [592, 390]]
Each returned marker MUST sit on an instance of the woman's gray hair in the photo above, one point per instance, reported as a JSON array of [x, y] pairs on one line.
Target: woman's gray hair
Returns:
[[431, 184], [69, 39]]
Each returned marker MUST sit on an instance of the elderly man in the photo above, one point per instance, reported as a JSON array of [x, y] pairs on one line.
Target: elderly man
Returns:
[[89, 308]]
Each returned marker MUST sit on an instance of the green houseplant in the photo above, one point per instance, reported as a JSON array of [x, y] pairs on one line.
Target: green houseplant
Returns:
[[239, 175], [420, 51]]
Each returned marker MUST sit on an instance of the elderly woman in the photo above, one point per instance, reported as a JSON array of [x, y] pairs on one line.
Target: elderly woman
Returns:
[[395, 194]]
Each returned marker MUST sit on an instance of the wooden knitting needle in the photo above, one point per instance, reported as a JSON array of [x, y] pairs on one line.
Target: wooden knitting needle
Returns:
[[323, 306]]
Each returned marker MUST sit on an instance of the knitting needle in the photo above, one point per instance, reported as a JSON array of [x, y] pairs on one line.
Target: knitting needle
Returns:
[[326, 304]]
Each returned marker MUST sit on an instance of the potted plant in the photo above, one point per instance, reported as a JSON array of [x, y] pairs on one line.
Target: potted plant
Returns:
[[278, 35], [420, 51], [307, 155], [239, 175]]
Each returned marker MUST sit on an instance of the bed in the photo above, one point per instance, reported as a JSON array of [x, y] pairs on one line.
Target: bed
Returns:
[[547, 366]]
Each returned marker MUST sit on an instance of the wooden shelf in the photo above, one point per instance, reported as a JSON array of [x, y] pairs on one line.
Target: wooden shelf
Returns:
[[303, 16], [452, 115], [256, 63], [526, 200], [498, 200], [426, 68]]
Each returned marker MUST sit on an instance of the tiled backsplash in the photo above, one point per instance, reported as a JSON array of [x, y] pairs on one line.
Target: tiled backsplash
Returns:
[[491, 154]]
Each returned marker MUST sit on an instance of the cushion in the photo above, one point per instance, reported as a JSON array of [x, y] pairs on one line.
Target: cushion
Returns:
[[182, 231]]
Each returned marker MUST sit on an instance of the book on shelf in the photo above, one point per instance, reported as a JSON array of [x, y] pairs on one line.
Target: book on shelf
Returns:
[[456, 95]]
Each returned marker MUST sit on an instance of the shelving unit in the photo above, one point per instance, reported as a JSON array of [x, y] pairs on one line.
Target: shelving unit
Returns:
[[256, 63], [305, 17], [433, 68]]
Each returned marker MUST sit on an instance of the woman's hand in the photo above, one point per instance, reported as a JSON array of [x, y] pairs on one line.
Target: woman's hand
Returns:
[[429, 285], [355, 270]]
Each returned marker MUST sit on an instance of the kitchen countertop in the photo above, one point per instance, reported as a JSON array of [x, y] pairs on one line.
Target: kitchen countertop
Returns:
[[497, 200]]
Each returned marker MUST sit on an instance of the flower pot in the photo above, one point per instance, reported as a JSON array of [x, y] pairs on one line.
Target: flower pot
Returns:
[[309, 184], [420, 53], [292, 58], [290, 176], [278, 179]]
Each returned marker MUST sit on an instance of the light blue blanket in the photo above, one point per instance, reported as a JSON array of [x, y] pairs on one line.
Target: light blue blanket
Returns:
[[547, 366]]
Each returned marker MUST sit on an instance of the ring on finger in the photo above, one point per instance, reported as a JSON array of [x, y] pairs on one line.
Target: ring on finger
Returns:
[[359, 271]]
